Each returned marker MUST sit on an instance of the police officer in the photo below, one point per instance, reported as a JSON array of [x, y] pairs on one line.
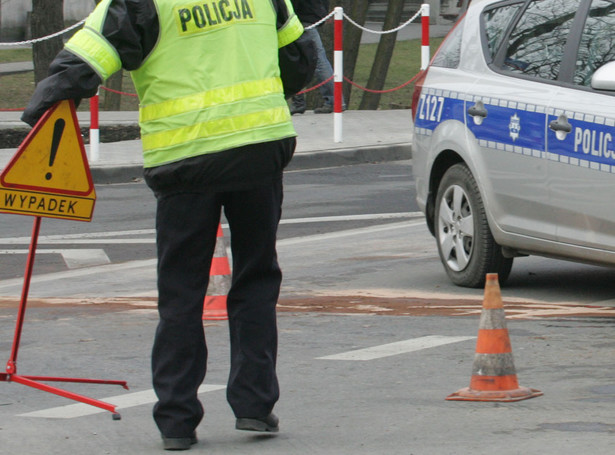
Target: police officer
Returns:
[[216, 134]]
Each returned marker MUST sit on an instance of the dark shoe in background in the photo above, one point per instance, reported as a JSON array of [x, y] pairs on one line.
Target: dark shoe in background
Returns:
[[297, 105], [324, 109], [264, 424]]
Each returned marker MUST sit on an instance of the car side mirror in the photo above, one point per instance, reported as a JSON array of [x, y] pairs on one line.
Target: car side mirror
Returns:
[[604, 77]]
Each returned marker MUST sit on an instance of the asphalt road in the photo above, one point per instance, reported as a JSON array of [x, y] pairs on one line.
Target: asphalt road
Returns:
[[372, 335]]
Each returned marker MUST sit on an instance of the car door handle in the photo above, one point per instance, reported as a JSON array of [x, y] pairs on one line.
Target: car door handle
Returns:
[[478, 110], [561, 127], [561, 124]]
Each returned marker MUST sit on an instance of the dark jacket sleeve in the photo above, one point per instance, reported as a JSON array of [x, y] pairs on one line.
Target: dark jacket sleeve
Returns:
[[131, 26], [310, 11], [297, 60], [69, 78]]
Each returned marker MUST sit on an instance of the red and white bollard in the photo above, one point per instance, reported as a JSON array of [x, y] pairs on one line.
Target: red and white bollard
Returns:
[[425, 36], [338, 73], [94, 131]]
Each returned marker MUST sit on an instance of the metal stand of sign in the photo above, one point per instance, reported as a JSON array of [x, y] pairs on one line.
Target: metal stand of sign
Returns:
[[33, 381]]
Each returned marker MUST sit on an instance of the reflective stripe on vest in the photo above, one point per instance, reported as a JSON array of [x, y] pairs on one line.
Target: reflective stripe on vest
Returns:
[[237, 131], [209, 98]]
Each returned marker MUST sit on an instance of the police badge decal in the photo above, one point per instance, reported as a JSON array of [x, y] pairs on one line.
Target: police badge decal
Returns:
[[514, 127]]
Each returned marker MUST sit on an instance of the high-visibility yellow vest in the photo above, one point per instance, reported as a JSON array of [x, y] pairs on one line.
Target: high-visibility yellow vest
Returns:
[[212, 81]]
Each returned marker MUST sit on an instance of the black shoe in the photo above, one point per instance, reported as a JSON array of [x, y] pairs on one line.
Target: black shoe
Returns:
[[296, 109], [297, 104], [324, 109], [179, 443], [263, 424]]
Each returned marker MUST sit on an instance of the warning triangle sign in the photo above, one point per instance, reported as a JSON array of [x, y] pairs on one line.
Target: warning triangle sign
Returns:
[[52, 158]]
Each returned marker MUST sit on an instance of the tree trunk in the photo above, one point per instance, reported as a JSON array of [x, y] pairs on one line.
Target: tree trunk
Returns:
[[47, 18], [386, 45], [113, 100], [357, 10]]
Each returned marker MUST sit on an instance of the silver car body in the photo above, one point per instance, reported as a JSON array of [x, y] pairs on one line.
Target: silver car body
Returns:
[[546, 190]]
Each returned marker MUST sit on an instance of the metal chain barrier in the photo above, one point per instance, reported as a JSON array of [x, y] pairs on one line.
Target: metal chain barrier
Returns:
[[322, 21], [383, 32], [45, 38]]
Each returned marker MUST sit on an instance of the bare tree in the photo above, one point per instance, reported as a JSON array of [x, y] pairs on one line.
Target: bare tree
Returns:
[[47, 18], [357, 10], [383, 56]]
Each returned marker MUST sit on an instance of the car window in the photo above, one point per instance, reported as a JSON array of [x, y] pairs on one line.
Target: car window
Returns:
[[536, 44], [495, 22], [450, 50], [597, 42]]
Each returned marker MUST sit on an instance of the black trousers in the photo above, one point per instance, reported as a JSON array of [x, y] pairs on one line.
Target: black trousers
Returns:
[[186, 224]]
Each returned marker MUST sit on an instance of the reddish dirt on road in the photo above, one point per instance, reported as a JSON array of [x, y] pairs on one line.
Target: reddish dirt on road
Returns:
[[388, 306]]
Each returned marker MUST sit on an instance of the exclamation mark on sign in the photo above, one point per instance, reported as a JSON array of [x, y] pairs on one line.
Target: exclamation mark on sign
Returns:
[[58, 129]]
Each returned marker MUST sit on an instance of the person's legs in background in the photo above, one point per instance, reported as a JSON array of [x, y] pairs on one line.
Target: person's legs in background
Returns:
[[323, 71]]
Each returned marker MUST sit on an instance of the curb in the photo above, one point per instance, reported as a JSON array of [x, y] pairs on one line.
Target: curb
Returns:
[[301, 161], [349, 156]]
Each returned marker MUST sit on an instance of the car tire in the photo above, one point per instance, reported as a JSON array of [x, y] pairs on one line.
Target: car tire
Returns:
[[466, 246]]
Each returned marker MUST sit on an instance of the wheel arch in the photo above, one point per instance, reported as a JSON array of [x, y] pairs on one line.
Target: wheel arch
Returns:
[[445, 160]]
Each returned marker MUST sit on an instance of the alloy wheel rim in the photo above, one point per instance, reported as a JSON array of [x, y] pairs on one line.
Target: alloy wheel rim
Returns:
[[456, 228]]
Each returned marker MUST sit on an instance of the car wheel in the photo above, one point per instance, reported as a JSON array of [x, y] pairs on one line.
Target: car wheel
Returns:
[[465, 243]]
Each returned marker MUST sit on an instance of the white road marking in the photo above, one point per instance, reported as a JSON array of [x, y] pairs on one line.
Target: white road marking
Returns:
[[76, 241], [148, 396], [105, 237], [369, 216], [399, 347], [70, 274], [74, 259], [85, 257], [151, 263], [43, 239], [349, 232], [125, 401]]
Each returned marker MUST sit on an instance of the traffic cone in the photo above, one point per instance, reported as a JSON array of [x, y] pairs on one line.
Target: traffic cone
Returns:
[[214, 306], [493, 373]]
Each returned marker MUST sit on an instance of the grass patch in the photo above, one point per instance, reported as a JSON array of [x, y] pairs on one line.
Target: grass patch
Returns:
[[405, 64], [16, 90], [8, 55]]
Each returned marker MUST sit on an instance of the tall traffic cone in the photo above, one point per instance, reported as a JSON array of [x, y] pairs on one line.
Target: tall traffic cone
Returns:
[[214, 306], [493, 373]]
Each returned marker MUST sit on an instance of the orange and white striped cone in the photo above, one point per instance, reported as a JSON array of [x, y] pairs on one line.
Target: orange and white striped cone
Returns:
[[493, 373], [214, 306]]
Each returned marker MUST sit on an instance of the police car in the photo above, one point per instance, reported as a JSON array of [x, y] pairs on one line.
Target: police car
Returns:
[[514, 136]]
